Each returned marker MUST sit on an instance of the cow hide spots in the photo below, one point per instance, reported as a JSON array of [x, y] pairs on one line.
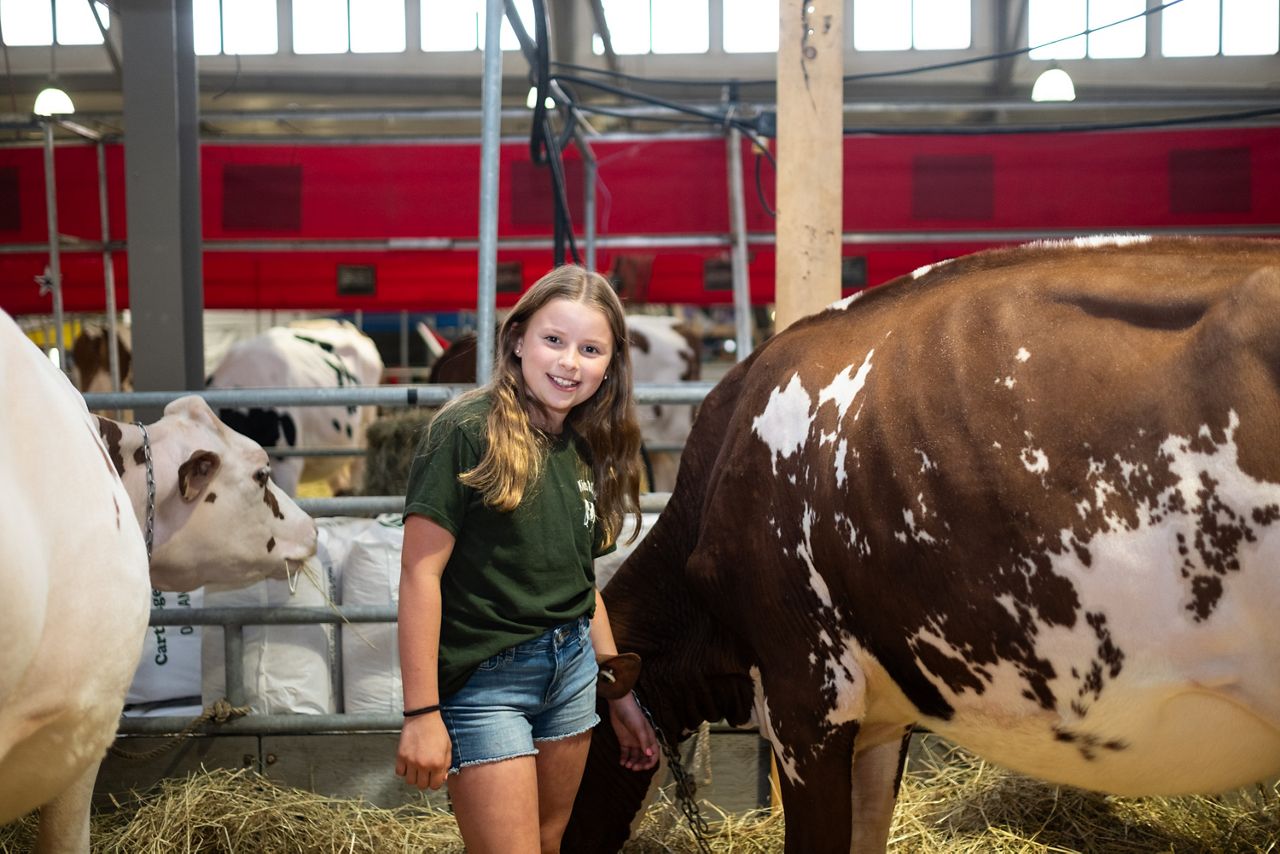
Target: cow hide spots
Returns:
[[784, 423], [269, 498], [845, 387], [112, 435], [781, 750], [268, 427]]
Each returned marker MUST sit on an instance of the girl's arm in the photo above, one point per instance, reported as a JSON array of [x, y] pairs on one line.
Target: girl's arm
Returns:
[[425, 750], [635, 734]]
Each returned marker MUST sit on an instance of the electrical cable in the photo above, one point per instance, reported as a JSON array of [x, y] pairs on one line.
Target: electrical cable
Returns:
[[760, 189], [1005, 54], [1063, 128], [545, 148], [902, 72], [706, 115]]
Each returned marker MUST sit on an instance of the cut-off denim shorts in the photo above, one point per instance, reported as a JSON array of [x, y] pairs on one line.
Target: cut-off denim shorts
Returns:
[[540, 690]]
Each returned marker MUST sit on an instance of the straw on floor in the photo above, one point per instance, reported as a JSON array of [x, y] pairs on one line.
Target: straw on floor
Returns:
[[951, 803]]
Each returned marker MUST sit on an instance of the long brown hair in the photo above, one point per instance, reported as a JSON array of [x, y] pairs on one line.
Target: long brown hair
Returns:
[[607, 423]]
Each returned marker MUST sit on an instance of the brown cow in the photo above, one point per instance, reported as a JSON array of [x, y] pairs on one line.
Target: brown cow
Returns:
[[1028, 499]]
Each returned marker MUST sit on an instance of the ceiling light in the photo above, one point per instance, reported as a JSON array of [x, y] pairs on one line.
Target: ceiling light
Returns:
[[1053, 85], [53, 102]]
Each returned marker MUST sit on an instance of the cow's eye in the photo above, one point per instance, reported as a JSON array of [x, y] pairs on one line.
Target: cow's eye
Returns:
[[262, 475]]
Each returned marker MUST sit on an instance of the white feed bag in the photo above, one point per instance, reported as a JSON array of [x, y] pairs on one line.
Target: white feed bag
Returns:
[[169, 669], [370, 651], [334, 535], [286, 668]]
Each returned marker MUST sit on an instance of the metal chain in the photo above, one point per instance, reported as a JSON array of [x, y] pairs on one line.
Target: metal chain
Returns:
[[151, 488], [686, 788]]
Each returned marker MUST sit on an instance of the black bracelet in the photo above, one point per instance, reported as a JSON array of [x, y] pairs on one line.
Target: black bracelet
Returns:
[[425, 710]]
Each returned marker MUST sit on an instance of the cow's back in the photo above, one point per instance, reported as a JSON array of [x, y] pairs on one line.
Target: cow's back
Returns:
[[73, 579], [312, 357], [1037, 493]]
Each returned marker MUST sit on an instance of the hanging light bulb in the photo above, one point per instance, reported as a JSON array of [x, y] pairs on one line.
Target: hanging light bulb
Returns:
[[53, 102], [1053, 85]]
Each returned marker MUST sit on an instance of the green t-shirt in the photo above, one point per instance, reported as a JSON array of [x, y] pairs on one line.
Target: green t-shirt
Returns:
[[511, 576]]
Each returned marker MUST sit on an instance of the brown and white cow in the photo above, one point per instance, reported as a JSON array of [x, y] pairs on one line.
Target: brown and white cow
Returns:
[[91, 359], [316, 354], [74, 581], [1029, 499]]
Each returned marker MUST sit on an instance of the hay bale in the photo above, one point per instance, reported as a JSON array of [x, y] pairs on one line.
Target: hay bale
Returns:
[[392, 439]]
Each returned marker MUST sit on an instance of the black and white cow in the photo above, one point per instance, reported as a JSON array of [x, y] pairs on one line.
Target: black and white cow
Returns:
[[1029, 499], [315, 354]]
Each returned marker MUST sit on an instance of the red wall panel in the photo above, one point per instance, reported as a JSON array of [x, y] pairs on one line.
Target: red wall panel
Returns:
[[1073, 181]]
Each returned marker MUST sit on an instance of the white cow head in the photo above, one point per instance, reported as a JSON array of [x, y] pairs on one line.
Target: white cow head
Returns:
[[218, 517]]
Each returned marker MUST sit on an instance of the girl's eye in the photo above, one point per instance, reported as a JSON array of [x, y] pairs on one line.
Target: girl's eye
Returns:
[[590, 348], [554, 339]]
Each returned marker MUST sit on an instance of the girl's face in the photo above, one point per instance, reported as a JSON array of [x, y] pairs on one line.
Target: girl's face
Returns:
[[564, 351]]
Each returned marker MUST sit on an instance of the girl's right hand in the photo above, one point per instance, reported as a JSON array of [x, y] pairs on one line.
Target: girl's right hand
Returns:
[[425, 751]]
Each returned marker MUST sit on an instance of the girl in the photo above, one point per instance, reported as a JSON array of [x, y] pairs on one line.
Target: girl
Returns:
[[515, 489]]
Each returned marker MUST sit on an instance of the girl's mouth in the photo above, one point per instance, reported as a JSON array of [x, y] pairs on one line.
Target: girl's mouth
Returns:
[[567, 385]]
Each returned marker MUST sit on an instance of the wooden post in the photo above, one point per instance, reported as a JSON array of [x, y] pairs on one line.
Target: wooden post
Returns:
[[810, 188]]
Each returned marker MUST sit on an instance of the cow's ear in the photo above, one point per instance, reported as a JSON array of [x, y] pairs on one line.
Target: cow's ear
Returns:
[[197, 473]]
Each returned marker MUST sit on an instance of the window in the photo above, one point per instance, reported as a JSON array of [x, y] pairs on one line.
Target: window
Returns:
[[245, 27], [750, 26], [659, 26], [911, 24], [341, 26], [31, 22], [1049, 20], [1221, 27], [455, 25]]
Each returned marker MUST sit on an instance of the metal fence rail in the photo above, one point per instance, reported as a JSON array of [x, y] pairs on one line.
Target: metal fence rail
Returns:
[[389, 396], [233, 620]]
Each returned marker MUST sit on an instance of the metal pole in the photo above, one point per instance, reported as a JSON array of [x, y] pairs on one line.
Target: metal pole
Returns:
[[233, 662], [487, 290], [108, 270], [738, 223], [55, 259], [404, 339], [589, 198]]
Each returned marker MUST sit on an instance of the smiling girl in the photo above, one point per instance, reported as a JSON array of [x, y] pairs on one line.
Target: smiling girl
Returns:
[[516, 488]]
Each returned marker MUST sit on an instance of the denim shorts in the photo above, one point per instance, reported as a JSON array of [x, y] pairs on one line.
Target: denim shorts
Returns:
[[540, 690]]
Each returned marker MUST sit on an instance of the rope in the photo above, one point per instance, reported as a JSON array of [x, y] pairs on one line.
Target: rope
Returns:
[[218, 712]]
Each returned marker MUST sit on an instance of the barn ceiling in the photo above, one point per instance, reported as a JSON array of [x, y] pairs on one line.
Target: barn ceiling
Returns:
[[422, 95]]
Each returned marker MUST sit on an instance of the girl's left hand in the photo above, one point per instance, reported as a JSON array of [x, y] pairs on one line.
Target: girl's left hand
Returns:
[[636, 737]]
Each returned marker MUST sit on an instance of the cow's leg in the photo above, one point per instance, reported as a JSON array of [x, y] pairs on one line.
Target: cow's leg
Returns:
[[64, 821], [817, 798], [876, 774]]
